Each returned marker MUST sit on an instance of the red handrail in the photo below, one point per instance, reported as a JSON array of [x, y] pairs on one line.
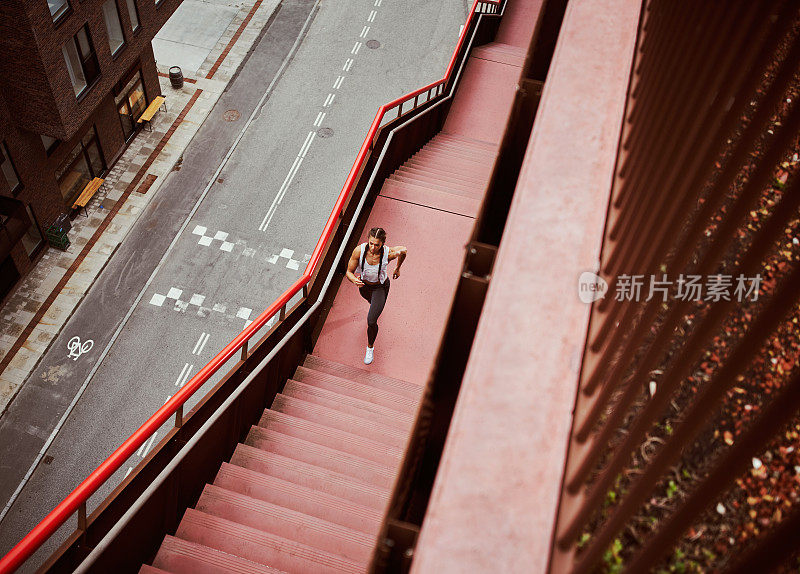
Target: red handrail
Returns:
[[61, 513]]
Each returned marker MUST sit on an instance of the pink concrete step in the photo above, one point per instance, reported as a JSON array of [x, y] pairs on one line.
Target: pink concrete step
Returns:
[[427, 180], [466, 143], [430, 197], [502, 48], [145, 569], [338, 420], [350, 405], [185, 557], [445, 137], [390, 384], [467, 160], [425, 160], [424, 170], [312, 453], [430, 193], [321, 434], [286, 523], [262, 547], [300, 498], [495, 53], [452, 137], [315, 477], [457, 152], [355, 389]]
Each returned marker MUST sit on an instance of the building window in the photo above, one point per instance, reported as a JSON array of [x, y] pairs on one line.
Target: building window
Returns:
[[113, 26], [131, 104], [82, 165], [133, 14], [81, 61], [9, 171], [32, 240], [50, 144], [58, 8]]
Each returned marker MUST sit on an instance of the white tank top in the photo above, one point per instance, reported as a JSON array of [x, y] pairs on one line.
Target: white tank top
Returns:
[[370, 272]]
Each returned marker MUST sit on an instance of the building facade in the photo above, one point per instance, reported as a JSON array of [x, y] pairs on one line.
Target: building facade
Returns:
[[75, 75]]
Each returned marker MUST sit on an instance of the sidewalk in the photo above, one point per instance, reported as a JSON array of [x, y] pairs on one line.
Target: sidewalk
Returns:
[[46, 298]]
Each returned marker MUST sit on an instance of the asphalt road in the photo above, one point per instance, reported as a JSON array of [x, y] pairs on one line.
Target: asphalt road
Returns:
[[201, 261]]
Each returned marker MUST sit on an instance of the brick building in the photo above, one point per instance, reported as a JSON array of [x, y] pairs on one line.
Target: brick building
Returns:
[[74, 77]]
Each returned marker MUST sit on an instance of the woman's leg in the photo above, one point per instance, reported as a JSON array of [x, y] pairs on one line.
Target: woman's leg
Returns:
[[376, 305]]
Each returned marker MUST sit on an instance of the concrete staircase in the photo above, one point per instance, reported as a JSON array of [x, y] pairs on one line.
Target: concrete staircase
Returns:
[[449, 173], [308, 488]]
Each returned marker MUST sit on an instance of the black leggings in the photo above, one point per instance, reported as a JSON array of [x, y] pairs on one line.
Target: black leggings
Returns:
[[376, 295]]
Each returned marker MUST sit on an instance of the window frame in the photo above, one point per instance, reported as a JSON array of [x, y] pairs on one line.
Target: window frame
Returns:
[[35, 225], [83, 59], [53, 146], [59, 17], [114, 52], [7, 158], [70, 160], [133, 10]]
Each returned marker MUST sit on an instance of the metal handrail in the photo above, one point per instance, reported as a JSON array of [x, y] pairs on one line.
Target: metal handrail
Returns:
[[76, 500]]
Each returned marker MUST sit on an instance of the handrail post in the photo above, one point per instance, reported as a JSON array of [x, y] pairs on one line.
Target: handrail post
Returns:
[[244, 350], [283, 312], [82, 522], [305, 290], [179, 417]]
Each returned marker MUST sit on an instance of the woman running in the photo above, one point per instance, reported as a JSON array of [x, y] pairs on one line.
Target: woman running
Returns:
[[370, 261]]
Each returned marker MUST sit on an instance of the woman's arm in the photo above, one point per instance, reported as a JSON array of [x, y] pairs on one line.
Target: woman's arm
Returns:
[[352, 265], [398, 253]]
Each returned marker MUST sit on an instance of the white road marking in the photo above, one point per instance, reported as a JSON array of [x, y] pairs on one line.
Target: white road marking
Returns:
[[374, 13], [460, 30], [320, 117], [157, 300], [338, 83], [328, 100], [201, 343], [184, 376], [356, 48], [130, 468], [347, 64], [309, 138], [364, 32], [155, 271], [244, 313], [285, 185], [76, 349], [148, 445], [199, 230]]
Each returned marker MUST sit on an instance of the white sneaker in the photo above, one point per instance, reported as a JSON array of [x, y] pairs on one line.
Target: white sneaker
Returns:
[[368, 356]]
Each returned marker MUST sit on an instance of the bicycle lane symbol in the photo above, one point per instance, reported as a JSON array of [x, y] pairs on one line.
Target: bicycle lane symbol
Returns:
[[76, 349]]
